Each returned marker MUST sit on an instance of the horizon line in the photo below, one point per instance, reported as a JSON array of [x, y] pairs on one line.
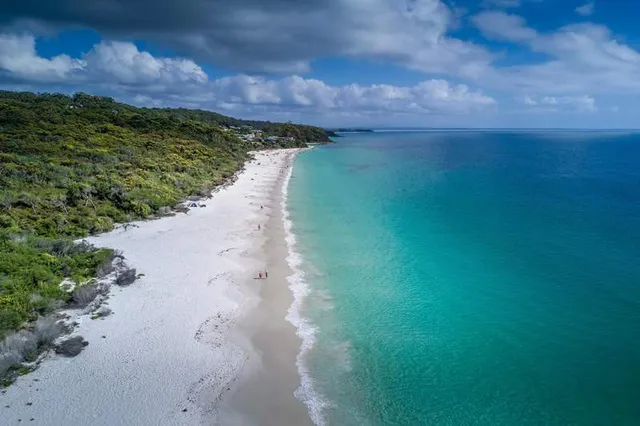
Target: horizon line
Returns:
[[364, 129]]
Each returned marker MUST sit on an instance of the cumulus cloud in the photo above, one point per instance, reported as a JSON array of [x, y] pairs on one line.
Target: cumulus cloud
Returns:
[[106, 61], [274, 36], [19, 59], [586, 9], [125, 63], [121, 68], [430, 96]]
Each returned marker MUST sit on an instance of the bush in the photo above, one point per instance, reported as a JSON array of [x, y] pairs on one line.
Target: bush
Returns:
[[25, 345], [10, 319], [6, 221], [141, 209], [101, 224], [20, 345], [9, 360], [48, 329], [39, 303], [84, 294], [105, 269]]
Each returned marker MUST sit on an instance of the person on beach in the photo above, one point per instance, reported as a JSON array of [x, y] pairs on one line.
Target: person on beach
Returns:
[[266, 274], [260, 275], [258, 227]]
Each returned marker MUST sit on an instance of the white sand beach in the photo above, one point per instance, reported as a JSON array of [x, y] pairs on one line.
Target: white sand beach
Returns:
[[196, 340]]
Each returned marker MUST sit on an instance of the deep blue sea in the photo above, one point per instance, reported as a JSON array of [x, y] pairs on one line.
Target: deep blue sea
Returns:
[[470, 278]]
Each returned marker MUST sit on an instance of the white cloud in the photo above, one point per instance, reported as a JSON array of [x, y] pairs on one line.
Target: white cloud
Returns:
[[430, 96], [502, 26], [582, 58], [412, 33], [147, 101], [286, 36], [121, 68], [583, 103], [587, 58], [18, 57], [106, 61], [586, 9], [588, 45], [571, 61], [124, 62], [282, 36]]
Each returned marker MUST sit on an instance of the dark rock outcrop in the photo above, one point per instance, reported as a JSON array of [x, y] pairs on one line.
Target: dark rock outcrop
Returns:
[[72, 346], [126, 277]]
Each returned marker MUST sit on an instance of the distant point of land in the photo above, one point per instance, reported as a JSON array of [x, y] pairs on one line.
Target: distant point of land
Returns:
[[335, 132]]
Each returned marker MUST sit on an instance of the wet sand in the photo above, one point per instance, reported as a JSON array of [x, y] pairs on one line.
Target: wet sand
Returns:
[[266, 393]]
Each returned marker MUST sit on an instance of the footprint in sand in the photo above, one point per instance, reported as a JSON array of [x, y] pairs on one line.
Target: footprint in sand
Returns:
[[211, 332], [223, 275], [225, 251]]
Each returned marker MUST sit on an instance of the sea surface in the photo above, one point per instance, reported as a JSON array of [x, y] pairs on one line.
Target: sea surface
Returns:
[[469, 278]]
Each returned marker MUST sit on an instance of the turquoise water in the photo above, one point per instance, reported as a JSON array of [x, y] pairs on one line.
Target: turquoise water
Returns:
[[472, 278]]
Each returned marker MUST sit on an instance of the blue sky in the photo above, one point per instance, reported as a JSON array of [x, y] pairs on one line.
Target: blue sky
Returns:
[[431, 63]]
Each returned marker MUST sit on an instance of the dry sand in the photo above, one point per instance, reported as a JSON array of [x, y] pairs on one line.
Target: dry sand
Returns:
[[197, 340]]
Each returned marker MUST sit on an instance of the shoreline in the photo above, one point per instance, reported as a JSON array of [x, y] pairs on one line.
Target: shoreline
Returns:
[[176, 346], [266, 394]]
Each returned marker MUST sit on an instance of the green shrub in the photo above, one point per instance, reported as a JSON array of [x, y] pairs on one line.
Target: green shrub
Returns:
[[101, 224], [10, 319]]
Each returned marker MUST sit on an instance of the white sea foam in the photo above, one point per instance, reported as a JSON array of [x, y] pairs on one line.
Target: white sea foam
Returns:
[[306, 393]]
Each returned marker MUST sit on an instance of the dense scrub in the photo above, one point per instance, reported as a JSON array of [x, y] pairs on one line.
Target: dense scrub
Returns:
[[302, 133], [73, 166]]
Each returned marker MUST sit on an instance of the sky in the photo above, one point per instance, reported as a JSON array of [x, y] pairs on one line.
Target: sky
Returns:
[[373, 63]]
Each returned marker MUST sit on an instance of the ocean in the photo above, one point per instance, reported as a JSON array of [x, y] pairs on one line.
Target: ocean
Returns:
[[468, 278]]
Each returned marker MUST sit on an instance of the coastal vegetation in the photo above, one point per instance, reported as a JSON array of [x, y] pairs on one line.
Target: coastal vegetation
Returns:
[[301, 133], [71, 166]]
